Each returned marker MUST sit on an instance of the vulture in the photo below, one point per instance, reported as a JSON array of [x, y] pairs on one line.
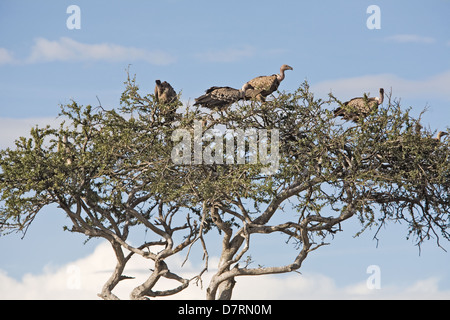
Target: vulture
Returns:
[[221, 97], [359, 107], [265, 85], [440, 135], [164, 93], [418, 128]]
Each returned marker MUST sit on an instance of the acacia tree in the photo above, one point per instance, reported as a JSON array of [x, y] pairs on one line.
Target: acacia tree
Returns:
[[113, 170]]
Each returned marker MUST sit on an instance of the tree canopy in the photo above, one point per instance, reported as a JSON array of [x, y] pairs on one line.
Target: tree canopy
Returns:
[[112, 170]]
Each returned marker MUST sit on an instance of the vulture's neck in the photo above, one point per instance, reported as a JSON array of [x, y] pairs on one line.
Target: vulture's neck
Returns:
[[243, 89], [440, 135], [380, 99], [280, 76]]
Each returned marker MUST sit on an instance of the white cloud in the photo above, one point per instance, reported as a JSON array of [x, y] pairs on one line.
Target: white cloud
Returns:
[[227, 55], [411, 38], [6, 57], [84, 278], [77, 280], [318, 286], [67, 49], [432, 87]]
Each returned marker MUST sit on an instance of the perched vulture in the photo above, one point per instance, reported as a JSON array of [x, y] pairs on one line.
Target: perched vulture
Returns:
[[440, 135], [359, 107], [221, 97], [164, 93], [265, 85]]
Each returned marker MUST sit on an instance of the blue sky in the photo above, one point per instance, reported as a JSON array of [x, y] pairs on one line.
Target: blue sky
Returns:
[[197, 44]]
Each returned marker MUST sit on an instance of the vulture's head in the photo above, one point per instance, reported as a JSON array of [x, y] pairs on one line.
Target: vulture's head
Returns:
[[285, 67], [441, 134]]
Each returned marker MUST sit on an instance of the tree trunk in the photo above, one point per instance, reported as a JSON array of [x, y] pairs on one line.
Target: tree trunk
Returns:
[[115, 278], [225, 289]]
